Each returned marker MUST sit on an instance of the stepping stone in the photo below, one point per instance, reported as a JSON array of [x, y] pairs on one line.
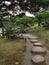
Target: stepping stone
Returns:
[[32, 37], [34, 41], [37, 49], [38, 60], [38, 44]]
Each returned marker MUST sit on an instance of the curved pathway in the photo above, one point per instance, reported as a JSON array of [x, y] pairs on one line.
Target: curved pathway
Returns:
[[28, 55]]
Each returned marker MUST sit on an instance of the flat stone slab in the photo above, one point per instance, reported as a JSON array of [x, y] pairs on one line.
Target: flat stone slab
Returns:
[[38, 44], [33, 41], [32, 37], [37, 49], [38, 60]]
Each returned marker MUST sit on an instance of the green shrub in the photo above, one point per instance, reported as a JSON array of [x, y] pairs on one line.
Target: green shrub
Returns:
[[6, 19], [25, 21], [43, 18], [17, 25]]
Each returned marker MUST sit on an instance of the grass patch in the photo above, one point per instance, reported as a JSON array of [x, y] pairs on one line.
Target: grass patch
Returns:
[[43, 35], [11, 51]]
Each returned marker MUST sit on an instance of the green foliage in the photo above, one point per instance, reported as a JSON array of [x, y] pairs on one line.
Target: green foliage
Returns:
[[17, 25], [13, 19], [10, 19], [6, 19], [43, 16], [39, 1], [43, 35], [25, 21], [11, 30], [8, 26]]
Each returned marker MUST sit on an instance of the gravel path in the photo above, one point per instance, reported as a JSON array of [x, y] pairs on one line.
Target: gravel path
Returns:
[[28, 56]]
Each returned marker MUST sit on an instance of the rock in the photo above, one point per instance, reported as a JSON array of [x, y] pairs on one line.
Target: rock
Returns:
[[32, 37], [38, 44], [38, 60], [37, 49], [16, 63], [34, 41]]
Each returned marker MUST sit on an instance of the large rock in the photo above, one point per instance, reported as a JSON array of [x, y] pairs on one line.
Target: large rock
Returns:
[[37, 49], [38, 44], [38, 60], [33, 41]]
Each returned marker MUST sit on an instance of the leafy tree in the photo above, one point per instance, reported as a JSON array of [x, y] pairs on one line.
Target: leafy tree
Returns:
[[43, 16], [36, 4], [22, 4], [11, 30], [4, 12]]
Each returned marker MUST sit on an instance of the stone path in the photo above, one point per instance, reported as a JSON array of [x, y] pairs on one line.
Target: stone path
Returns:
[[47, 57], [38, 44], [34, 47], [37, 49], [28, 55], [38, 59], [33, 41]]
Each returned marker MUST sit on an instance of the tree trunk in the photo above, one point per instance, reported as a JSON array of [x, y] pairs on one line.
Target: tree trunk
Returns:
[[39, 22], [2, 29], [45, 20], [3, 32]]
